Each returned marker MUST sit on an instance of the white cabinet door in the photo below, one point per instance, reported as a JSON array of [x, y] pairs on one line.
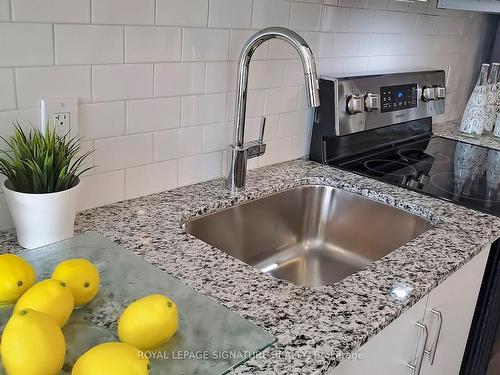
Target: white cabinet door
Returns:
[[456, 300], [390, 350]]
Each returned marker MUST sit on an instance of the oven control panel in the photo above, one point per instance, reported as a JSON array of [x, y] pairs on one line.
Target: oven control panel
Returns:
[[364, 102], [395, 98]]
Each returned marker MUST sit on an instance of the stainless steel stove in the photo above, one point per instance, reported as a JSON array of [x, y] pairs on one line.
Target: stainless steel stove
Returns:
[[380, 126]]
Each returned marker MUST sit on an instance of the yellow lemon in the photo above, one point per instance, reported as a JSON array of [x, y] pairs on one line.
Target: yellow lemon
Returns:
[[32, 344], [112, 358], [81, 277], [148, 322], [16, 277], [51, 297]]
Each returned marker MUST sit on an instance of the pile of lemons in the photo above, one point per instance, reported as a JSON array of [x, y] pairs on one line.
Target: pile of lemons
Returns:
[[32, 342]]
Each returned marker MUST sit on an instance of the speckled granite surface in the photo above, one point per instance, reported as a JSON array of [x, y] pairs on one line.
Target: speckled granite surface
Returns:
[[451, 129], [312, 324]]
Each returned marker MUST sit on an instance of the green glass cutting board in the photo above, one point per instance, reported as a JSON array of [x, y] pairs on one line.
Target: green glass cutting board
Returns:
[[210, 340]]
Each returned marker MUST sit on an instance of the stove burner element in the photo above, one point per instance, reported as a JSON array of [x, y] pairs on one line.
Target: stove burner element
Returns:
[[415, 154], [390, 167], [467, 186]]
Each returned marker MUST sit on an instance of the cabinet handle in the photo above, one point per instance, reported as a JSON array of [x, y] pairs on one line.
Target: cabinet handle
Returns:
[[432, 351], [415, 366]]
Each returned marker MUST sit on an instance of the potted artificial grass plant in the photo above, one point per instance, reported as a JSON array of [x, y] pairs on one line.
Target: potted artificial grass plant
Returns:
[[42, 185]]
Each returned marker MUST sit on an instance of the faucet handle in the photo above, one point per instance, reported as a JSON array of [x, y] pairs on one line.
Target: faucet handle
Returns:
[[257, 147], [262, 129]]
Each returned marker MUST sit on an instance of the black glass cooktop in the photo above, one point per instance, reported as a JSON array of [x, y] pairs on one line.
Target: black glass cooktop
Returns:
[[455, 171]]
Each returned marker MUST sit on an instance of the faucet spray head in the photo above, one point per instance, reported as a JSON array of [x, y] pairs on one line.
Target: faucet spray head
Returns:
[[312, 89]]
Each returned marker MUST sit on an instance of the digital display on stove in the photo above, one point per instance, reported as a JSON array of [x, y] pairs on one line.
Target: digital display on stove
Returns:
[[395, 98]]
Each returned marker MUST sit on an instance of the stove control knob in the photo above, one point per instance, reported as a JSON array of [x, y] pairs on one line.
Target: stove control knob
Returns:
[[372, 102], [440, 92], [428, 94], [354, 104]]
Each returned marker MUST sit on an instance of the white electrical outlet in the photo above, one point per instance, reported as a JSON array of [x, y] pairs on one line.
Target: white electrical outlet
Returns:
[[62, 122], [60, 114]]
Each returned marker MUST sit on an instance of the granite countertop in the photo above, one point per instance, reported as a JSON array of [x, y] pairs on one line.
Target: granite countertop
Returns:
[[451, 129], [312, 324]]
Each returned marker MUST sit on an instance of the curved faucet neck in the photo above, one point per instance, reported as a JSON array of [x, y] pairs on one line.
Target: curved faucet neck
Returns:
[[239, 152], [247, 52]]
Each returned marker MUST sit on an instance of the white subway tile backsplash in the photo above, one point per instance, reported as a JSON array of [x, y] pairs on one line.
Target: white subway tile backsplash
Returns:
[[279, 50], [203, 109], [293, 123], [221, 77], [120, 82], [300, 146], [150, 179], [4, 11], [182, 12], [448, 26], [153, 114], [74, 11], [355, 64], [370, 44], [335, 19], [361, 20], [205, 44], [8, 91], [216, 137], [230, 13], [418, 7], [398, 5], [332, 66], [345, 44], [294, 73], [178, 143], [200, 168], [389, 62], [88, 44], [377, 4], [25, 44], [100, 189], [280, 100], [277, 151], [352, 3], [101, 120], [27, 118], [123, 152], [425, 24], [152, 44], [128, 12], [179, 79], [385, 22], [450, 44], [305, 17], [270, 13], [34, 84], [265, 74], [87, 147], [406, 23]]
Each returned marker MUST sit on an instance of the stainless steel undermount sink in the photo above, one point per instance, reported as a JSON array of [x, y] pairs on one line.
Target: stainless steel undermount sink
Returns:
[[309, 235]]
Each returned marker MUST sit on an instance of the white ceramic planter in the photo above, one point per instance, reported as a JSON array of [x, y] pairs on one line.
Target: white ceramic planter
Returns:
[[42, 219]]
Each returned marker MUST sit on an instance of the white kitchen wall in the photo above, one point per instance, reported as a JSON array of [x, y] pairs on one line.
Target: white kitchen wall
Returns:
[[155, 78]]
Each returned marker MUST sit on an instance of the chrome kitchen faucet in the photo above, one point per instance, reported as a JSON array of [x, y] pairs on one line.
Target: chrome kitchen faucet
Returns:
[[239, 152]]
